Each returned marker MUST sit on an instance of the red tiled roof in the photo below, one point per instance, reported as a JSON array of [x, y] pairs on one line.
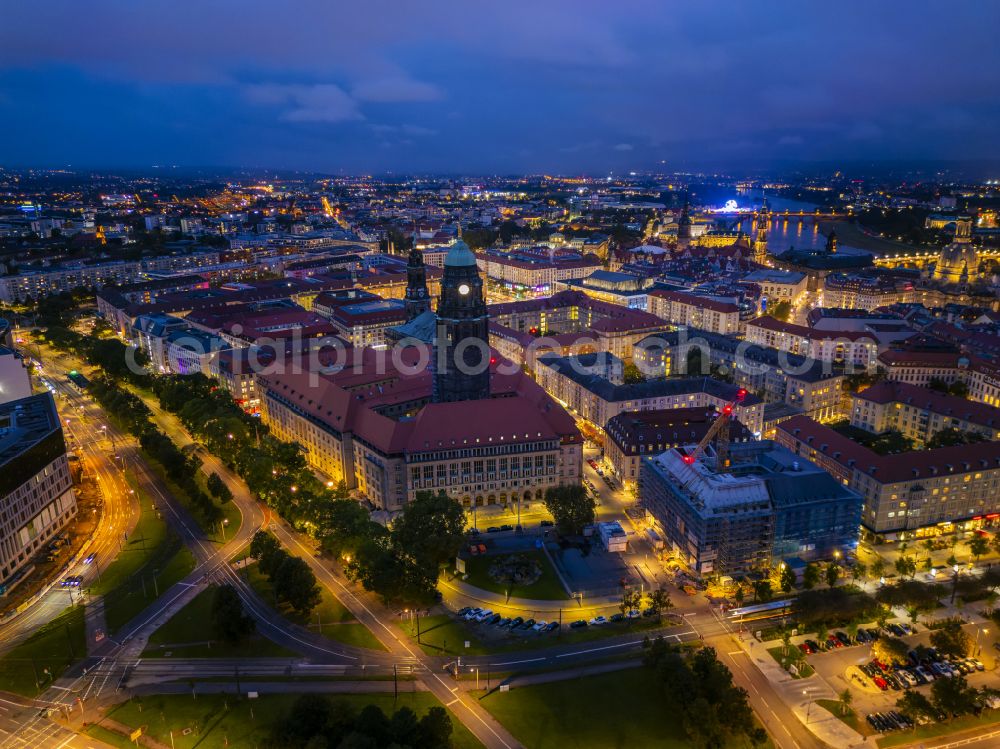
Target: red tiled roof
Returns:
[[890, 469], [931, 400], [773, 324], [695, 300]]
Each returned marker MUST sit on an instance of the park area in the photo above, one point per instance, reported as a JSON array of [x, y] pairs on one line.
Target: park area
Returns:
[[229, 722]]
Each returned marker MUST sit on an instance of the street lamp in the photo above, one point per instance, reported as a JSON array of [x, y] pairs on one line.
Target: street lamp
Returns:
[[809, 703], [982, 631]]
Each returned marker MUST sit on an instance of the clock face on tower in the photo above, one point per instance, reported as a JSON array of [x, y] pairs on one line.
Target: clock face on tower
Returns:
[[463, 289]]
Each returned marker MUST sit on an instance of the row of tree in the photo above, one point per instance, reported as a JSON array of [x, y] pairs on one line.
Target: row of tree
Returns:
[[291, 578], [316, 722], [713, 711], [181, 469]]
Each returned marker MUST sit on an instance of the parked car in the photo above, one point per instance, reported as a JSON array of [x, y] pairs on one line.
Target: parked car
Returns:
[[804, 647], [484, 615], [881, 683], [618, 617], [493, 529], [844, 639], [540, 625], [463, 611], [598, 621], [528, 624], [814, 645], [546, 524], [833, 642], [552, 627], [495, 619], [578, 624], [506, 527], [633, 614], [516, 622]]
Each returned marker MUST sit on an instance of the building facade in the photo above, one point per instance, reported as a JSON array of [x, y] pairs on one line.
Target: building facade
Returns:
[[35, 483]]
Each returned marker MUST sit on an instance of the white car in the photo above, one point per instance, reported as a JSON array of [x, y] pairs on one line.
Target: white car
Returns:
[[540, 625], [470, 615], [484, 616], [597, 621], [633, 614]]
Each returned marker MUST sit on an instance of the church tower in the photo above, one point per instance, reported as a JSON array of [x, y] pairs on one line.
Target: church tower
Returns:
[[684, 227], [831, 243], [761, 221], [417, 299], [461, 342]]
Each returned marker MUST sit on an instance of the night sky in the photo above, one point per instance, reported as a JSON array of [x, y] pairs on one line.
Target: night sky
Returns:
[[504, 86]]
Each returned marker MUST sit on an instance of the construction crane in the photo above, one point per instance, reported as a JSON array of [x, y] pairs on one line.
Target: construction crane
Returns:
[[719, 430]]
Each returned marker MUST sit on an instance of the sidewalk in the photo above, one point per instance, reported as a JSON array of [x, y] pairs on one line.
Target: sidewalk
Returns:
[[469, 595], [799, 694]]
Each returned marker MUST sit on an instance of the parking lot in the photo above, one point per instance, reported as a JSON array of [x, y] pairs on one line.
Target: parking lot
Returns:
[[876, 687]]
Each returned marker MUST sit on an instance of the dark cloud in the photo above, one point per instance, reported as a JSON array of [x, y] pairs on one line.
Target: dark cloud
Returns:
[[437, 85]]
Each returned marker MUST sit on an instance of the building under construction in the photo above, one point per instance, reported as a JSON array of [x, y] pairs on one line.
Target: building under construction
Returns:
[[746, 506]]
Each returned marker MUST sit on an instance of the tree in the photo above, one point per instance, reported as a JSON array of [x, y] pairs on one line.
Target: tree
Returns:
[[890, 650], [951, 639], [696, 363], [266, 550], [953, 696], [915, 705], [782, 310], [978, 545], [229, 620], [632, 375], [787, 578], [659, 602], [832, 573], [572, 507], [882, 616], [950, 436], [631, 600], [738, 594], [295, 584], [346, 526], [786, 640], [905, 566], [845, 701], [435, 729], [858, 571], [218, 488], [877, 568], [762, 591], [429, 532], [810, 576]]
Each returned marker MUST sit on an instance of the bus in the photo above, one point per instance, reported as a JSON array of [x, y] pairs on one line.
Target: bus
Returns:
[[78, 379], [761, 611]]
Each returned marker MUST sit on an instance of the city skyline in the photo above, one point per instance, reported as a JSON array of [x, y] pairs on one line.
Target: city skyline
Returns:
[[520, 89]]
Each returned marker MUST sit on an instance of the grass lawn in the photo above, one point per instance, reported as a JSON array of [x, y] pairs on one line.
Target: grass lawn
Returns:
[[852, 719], [168, 564], [219, 721], [51, 648], [545, 588], [149, 535], [191, 625], [618, 709], [794, 656], [444, 633], [330, 618], [933, 730]]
